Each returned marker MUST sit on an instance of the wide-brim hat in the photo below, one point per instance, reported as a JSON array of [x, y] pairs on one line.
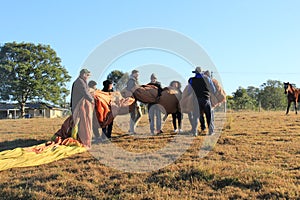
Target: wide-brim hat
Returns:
[[197, 70], [107, 82]]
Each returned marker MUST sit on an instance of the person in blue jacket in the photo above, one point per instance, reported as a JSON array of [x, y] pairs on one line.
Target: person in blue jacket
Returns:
[[202, 86]]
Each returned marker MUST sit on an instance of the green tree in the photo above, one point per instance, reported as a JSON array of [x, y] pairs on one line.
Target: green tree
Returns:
[[118, 78], [272, 95], [242, 100], [253, 93], [31, 72], [230, 102]]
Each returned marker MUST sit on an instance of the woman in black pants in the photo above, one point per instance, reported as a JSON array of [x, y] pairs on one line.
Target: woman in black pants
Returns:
[[178, 115]]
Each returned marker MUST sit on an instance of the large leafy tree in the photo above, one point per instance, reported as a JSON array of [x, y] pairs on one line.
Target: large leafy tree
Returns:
[[272, 95], [31, 72], [118, 78], [242, 100]]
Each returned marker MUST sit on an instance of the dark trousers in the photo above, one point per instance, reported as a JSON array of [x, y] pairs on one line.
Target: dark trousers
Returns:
[[176, 116], [204, 106], [107, 130], [202, 122], [201, 119]]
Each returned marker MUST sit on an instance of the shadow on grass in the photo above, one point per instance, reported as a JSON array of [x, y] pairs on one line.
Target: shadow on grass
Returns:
[[9, 145], [176, 179], [224, 182]]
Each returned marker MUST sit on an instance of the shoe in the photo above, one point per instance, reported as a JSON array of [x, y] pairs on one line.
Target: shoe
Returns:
[[152, 133], [175, 131], [180, 131], [97, 140], [203, 131], [131, 133], [211, 133], [195, 133], [159, 132]]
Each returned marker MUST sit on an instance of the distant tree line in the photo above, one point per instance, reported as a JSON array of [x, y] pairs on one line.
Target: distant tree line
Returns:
[[269, 96]]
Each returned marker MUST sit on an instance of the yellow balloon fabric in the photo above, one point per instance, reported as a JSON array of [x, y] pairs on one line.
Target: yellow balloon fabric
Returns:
[[23, 157]]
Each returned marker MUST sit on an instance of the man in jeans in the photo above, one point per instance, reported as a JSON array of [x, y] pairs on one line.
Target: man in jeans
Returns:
[[201, 85], [154, 109]]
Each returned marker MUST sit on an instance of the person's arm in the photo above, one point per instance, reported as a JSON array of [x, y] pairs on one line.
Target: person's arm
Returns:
[[84, 90], [130, 84], [211, 85]]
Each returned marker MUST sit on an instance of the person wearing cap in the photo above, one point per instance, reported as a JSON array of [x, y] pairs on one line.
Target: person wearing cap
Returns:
[[107, 87], [80, 89], [201, 117], [202, 86], [82, 107], [153, 108], [135, 114]]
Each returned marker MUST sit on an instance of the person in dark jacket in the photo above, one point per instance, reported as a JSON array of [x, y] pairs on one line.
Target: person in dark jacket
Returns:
[[202, 86], [107, 87]]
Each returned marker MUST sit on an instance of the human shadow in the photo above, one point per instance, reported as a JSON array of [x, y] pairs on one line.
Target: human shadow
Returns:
[[9, 145]]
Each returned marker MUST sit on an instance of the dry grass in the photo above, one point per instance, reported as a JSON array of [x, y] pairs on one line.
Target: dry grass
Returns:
[[257, 156]]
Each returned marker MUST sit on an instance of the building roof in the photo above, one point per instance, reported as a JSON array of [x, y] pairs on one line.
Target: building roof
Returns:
[[5, 106], [15, 106]]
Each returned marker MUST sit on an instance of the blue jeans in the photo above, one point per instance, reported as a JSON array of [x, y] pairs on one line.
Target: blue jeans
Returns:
[[154, 112]]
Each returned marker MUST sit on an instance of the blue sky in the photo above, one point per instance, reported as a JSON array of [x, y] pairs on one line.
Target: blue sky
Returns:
[[249, 42]]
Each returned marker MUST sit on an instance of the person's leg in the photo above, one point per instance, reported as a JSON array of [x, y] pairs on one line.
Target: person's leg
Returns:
[[104, 133], [202, 122], [208, 114], [104, 130], [138, 114], [179, 118], [151, 118], [132, 119], [196, 115], [174, 121], [109, 130], [158, 118]]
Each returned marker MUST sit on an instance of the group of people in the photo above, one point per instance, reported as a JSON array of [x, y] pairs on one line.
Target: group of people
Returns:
[[201, 86]]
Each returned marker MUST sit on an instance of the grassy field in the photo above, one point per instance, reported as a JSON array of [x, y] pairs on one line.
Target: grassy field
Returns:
[[256, 157]]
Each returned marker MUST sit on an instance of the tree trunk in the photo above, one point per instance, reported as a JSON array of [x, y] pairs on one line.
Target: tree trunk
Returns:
[[22, 109]]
